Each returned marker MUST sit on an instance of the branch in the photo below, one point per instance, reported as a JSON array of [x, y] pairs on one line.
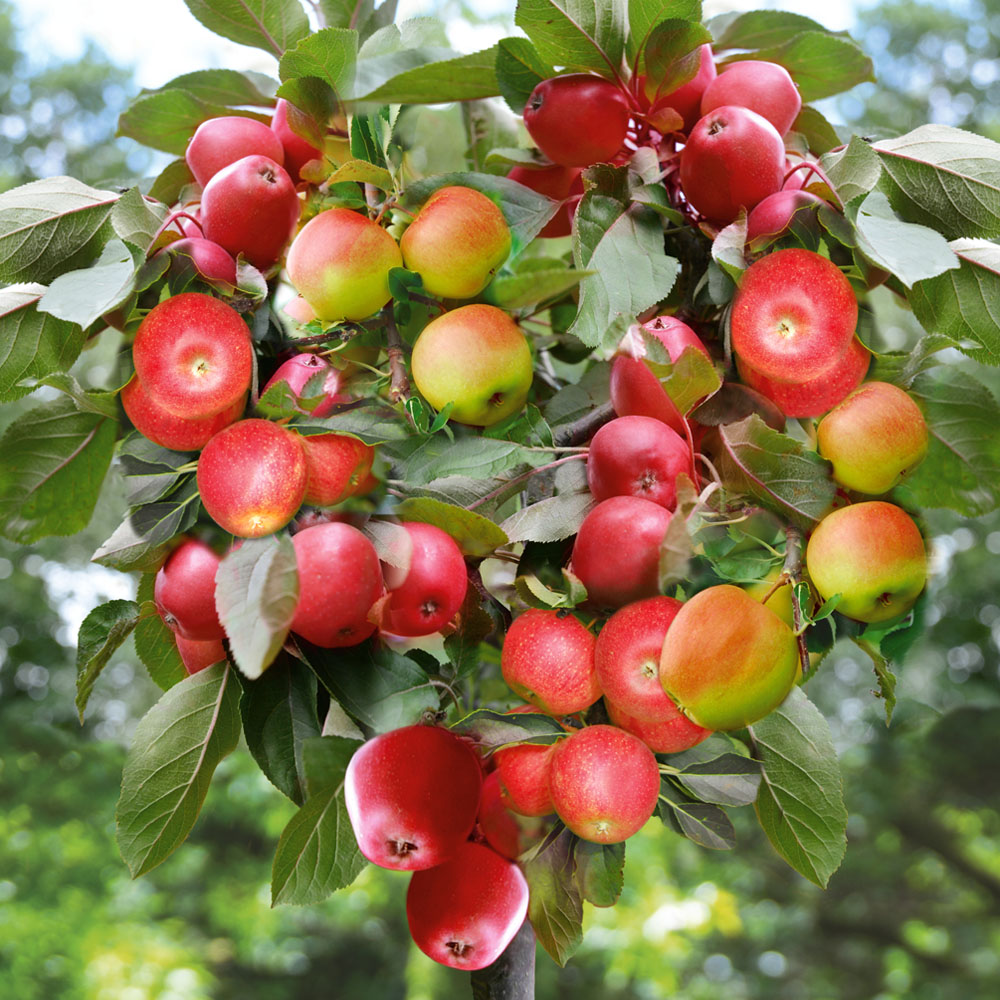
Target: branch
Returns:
[[793, 571], [399, 383], [586, 427], [512, 975]]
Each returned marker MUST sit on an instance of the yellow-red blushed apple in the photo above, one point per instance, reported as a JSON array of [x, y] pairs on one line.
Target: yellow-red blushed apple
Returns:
[[336, 466]]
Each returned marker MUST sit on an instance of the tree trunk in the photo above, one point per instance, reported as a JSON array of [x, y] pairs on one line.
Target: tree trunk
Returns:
[[512, 975]]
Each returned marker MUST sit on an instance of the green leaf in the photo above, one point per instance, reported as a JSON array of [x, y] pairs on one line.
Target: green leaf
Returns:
[[136, 221], [53, 460], [491, 731], [689, 380], [279, 716], [703, 823], [902, 367], [362, 172], [373, 424], [518, 291], [329, 55], [88, 400], [51, 226], [883, 673], [964, 305], [644, 15], [150, 471], [256, 591], [84, 296], [549, 520], [480, 458], [177, 745], [729, 247], [776, 469], [944, 178], [519, 69], [555, 903], [853, 171], [801, 802], [225, 86], [346, 13], [271, 25], [171, 181], [317, 853], [673, 53], [727, 780], [600, 871], [477, 536], [154, 641], [819, 134], [462, 78], [759, 29], [577, 34], [33, 344], [102, 632]]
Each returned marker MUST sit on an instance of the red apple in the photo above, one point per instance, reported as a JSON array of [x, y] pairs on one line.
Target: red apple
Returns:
[[214, 265], [764, 87], [775, 215], [556, 182], [298, 151], [496, 823], [524, 778], [686, 99], [296, 373], [220, 141], [669, 735], [184, 591], [198, 655], [337, 466]]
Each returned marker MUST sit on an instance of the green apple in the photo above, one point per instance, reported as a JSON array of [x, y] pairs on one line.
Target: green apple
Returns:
[[873, 555], [477, 358]]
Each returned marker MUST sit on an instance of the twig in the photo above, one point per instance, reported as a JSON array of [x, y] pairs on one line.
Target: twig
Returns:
[[524, 477], [399, 382], [586, 427], [793, 571]]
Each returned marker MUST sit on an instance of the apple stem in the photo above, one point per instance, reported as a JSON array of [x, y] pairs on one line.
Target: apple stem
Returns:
[[170, 220], [399, 382], [793, 571], [512, 975]]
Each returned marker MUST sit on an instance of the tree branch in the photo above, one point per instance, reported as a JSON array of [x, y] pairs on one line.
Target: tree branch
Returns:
[[793, 570], [399, 381], [512, 975], [586, 427]]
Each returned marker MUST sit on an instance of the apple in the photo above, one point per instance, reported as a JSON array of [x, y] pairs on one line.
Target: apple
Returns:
[[340, 263], [577, 119], [251, 208], [193, 355], [672, 734], [214, 265], [465, 912], [640, 457], [252, 477], [184, 591], [728, 660], [412, 795], [733, 158], [340, 579], [686, 99], [873, 555], [617, 550], [220, 141], [556, 182], [477, 358], [764, 87], [774, 216], [524, 778], [199, 655], [298, 151], [780, 599], [548, 660], [299, 369], [793, 316], [605, 783], [426, 595], [457, 242], [873, 438], [168, 431], [506, 833], [337, 467]]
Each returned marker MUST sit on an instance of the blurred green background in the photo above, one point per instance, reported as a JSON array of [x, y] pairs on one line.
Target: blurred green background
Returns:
[[913, 913]]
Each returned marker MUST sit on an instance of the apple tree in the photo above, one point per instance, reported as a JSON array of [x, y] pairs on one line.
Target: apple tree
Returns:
[[502, 503]]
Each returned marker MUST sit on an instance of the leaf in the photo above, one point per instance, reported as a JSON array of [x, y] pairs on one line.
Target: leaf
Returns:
[[177, 745], [477, 536], [171, 181], [317, 853], [136, 220], [519, 69], [478, 458], [704, 824], [225, 86], [853, 171], [33, 345], [362, 172], [461, 78], [154, 642], [964, 305], [555, 904], [51, 226], [819, 134], [901, 368], [279, 716], [673, 53], [549, 520], [759, 29], [577, 34], [776, 469], [645, 15], [83, 296], [801, 801], [600, 871], [329, 55], [945, 178], [491, 730], [53, 460], [678, 546], [150, 471], [271, 25], [102, 632], [518, 291], [883, 673], [689, 380], [87, 400], [256, 591], [726, 780], [729, 247]]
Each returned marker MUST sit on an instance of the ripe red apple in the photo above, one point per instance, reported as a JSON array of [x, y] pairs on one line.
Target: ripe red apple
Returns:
[[548, 659], [774, 216], [873, 555], [873, 438], [686, 99], [457, 242], [617, 550], [252, 477], [476, 357], [764, 87], [427, 594], [793, 316], [577, 119], [556, 182], [193, 355], [251, 208], [169, 431], [214, 265], [605, 783], [524, 778], [220, 141], [727, 660], [340, 263], [298, 370], [184, 591], [639, 457], [339, 580], [814, 396], [298, 151], [337, 467], [733, 158], [668, 735], [496, 823], [466, 911], [197, 655], [412, 795]]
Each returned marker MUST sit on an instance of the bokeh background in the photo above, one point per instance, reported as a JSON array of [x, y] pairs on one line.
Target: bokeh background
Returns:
[[913, 913]]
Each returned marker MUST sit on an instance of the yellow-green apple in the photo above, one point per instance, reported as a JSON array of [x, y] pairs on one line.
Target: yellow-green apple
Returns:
[[193, 355], [220, 141], [251, 208], [793, 316], [779, 599], [252, 477], [336, 466], [477, 358], [465, 912], [764, 87], [728, 660], [456, 242], [524, 778], [672, 734], [605, 783], [340, 579], [299, 369], [617, 550], [298, 151], [873, 555], [686, 99], [873, 438], [340, 263], [639, 457], [184, 591], [548, 659], [197, 654], [577, 119], [555, 182], [412, 795]]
